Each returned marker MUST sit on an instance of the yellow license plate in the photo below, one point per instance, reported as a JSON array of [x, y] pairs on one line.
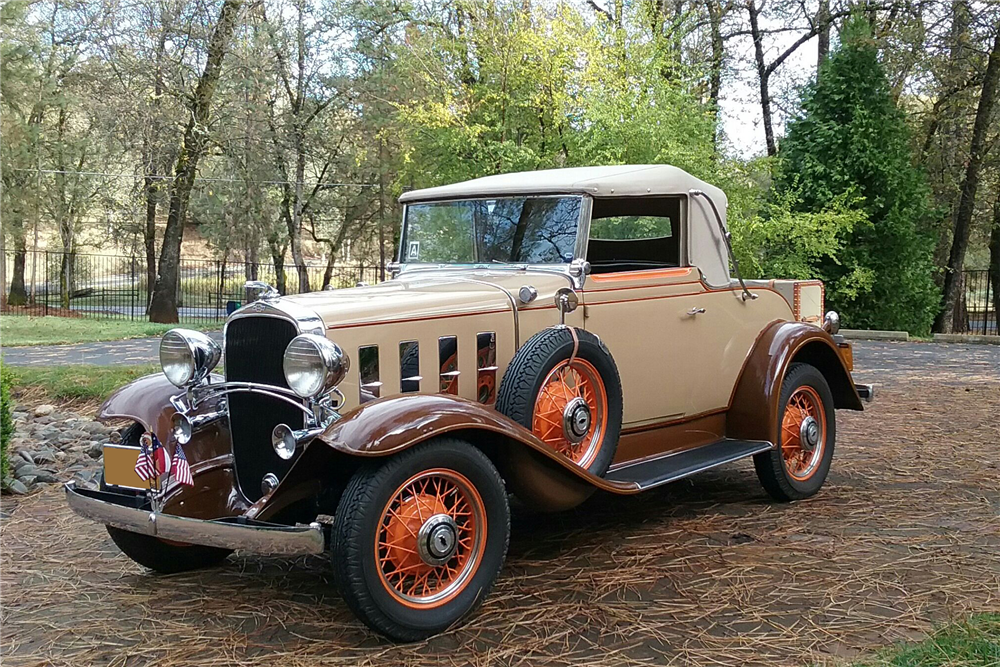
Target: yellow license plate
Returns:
[[119, 468]]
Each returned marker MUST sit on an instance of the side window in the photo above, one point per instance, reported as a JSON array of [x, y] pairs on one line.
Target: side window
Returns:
[[635, 233], [486, 362], [370, 387], [409, 367], [448, 361]]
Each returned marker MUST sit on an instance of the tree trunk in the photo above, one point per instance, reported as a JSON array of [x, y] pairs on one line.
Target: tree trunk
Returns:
[[18, 294], [995, 266], [278, 259], [715, 67], [163, 306], [967, 202], [149, 230], [763, 76], [823, 45]]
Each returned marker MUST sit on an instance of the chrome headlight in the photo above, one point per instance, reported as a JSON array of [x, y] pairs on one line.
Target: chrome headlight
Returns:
[[314, 365], [187, 357]]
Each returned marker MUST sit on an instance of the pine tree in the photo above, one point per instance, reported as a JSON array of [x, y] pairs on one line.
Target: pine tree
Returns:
[[851, 138]]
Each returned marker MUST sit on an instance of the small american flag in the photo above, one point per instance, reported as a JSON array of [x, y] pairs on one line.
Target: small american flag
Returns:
[[161, 460], [144, 463], [181, 470]]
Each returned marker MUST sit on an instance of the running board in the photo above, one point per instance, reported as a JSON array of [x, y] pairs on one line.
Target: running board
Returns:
[[669, 468]]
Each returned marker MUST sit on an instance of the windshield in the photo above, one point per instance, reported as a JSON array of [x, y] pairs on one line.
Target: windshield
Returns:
[[520, 230]]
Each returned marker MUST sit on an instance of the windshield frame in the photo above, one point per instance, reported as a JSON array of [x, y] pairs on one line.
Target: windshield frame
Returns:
[[579, 243]]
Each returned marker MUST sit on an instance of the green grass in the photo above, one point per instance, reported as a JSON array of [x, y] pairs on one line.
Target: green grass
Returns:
[[16, 330], [974, 642], [78, 382]]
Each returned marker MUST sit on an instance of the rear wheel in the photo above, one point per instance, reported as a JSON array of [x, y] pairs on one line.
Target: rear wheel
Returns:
[[799, 465], [419, 540]]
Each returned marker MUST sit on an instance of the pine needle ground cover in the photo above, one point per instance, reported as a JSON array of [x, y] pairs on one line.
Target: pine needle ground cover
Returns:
[[903, 540]]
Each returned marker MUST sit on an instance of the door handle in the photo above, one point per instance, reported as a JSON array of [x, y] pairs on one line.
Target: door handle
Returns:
[[694, 311]]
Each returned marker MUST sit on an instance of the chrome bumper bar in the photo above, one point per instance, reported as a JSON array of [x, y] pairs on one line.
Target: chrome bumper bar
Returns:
[[236, 533], [866, 392]]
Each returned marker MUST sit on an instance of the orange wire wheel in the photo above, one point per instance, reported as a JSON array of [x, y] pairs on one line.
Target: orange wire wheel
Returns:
[[571, 411], [803, 433], [430, 538]]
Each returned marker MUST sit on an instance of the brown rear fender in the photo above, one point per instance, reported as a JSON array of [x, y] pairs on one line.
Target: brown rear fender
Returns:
[[536, 473], [753, 412]]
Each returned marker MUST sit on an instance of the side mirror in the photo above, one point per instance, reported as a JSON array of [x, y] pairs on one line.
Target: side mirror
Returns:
[[566, 301]]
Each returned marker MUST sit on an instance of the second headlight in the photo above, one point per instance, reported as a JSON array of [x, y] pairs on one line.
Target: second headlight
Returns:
[[314, 365], [187, 357]]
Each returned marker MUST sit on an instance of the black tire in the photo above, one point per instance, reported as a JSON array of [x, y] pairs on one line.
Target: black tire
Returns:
[[772, 469], [363, 515], [530, 366], [163, 557], [152, 552]]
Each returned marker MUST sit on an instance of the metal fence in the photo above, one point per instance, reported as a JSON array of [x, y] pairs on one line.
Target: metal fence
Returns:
[[980, 303], [116, 287]]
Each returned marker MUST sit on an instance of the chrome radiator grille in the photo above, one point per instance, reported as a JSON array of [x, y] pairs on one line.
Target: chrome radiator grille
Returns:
[[254, 350]]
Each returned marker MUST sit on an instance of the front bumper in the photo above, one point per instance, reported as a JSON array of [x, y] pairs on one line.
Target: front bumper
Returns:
[[122, 511]]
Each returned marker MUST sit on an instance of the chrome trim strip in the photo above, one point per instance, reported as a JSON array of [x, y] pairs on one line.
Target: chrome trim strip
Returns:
[[275, 540]]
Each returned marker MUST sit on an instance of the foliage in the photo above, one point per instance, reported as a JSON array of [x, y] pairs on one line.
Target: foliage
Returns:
[[974, 642], [16, 331], [6, 418], [778, 242], [522, 90], [79, 381], [852, 140]]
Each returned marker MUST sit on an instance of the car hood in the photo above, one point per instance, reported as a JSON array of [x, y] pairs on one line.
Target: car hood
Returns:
[[425, 294]]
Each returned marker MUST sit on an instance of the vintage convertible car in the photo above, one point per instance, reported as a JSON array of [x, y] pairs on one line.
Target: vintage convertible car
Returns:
[[545, 334]]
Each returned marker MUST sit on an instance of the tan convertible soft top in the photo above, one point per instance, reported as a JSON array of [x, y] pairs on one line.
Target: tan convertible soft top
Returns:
[[705, 246], [630, 180]]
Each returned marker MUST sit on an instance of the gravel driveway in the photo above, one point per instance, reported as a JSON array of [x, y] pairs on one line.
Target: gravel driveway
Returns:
[[708, 571]]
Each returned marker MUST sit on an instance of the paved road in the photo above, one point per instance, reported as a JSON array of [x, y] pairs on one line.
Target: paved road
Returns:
[[874, 361], [111, 353]]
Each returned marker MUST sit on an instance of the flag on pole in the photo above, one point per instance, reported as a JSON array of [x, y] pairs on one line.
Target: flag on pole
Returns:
[[181, 470], [144, 467], [161, 459]]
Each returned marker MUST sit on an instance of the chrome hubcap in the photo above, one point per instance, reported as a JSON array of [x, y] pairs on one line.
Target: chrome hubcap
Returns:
[[269, 483], [437, 539], [809, 434], [576, 420]]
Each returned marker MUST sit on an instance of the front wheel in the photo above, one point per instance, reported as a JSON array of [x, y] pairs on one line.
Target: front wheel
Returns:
[[419, 540], [159, 555], [797, 468]]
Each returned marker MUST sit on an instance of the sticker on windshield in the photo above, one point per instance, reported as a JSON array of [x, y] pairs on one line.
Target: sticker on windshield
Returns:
[[413, 252], [490, 205]]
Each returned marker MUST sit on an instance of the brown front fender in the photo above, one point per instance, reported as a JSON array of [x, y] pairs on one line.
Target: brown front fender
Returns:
[[147, 401], [753, 412], [532, 469]]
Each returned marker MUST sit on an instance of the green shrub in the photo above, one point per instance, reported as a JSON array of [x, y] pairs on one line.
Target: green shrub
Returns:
[[6, 419], [852, 139]]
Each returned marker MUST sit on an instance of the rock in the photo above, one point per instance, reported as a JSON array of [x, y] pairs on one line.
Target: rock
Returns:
[[18, 463], [25, 455], [96, 428], [44, 420], [27, 480], [44, 456], [46, 478], [18, 488], [78, 434], [44, 410], [27, 470], [95, 451]]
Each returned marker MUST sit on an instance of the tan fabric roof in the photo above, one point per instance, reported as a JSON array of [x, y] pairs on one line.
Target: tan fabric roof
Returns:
[[609, 181]]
